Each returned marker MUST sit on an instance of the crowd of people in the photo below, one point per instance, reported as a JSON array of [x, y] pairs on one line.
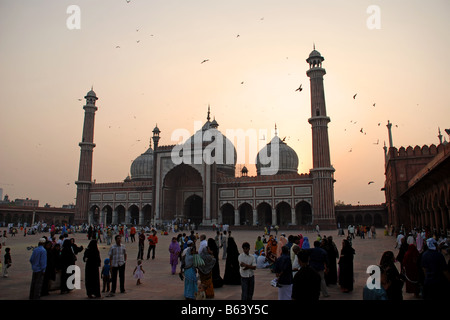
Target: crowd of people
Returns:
[[423, 270], [303, 266]]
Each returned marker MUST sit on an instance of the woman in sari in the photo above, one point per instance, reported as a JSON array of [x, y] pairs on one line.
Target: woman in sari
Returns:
[[190, 273], [346, 267], [174, 250], [259, 245], [271, 247], [411, 270], [205, 271]]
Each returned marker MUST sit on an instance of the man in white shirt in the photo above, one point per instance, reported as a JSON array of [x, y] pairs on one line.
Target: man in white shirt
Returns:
[[203, 243], [399, 240], [118, 257], [247, 265]]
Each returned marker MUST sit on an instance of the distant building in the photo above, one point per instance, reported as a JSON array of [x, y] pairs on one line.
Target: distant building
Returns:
[[417, 185], [26, 202]]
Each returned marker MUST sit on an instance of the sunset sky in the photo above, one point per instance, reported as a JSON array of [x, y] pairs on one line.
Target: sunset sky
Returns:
[[143, 59]]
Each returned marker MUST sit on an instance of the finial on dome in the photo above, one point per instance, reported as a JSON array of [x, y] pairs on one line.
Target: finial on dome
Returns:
[[314, 46], [276, 132], [208, 117]]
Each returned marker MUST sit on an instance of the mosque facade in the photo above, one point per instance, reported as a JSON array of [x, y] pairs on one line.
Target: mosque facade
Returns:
[[205, 190]]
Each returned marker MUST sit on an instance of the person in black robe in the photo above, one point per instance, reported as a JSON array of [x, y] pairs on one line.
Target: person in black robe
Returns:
[[232, 275], [216, 278], [92, 275], [50, 272], [346, 267], [306, 282], [67, 259], [333, 254]]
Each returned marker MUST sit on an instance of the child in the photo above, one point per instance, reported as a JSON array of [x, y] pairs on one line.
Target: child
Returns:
[[106, 275], [7, 263], [138, 272]]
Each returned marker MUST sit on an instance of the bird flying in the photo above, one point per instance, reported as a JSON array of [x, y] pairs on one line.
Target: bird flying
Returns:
[[371, 182], [204, 61], [354, 97], [299, 88]]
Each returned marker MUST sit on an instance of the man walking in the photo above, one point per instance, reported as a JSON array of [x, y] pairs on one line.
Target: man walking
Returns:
[[247, 266], [38, 262], [118, 257]]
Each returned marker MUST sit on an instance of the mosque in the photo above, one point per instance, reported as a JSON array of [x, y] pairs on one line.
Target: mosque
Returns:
[[160, 190]]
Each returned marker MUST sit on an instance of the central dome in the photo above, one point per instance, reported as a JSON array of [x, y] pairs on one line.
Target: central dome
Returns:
[[208, 134], [287, 159]]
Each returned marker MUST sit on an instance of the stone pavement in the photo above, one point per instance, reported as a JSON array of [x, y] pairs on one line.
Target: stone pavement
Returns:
[[160, 284]]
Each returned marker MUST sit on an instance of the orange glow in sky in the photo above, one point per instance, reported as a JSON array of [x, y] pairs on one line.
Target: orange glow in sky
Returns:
[[143, 59]]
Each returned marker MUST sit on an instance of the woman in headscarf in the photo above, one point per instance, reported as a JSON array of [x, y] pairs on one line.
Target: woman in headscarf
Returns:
[[174, 249], [300, 236], [92, 275], [281, 243], [410, 270], [205, 271], [387, 262], [401, 253], [271, 246], [216, 278], [190, 274], [333, 254], [259, 245], [67, 258], [346, 267], [305, 244], [232, 275]]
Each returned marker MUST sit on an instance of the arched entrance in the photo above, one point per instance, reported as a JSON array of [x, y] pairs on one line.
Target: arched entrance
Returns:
[[245, 214], [227, 214], [95, 214], [193, 209], [284, 216], [303, 213], [264, 212], [147, 212], [107, 215], [120, 214], [182, 195], [134, 215]]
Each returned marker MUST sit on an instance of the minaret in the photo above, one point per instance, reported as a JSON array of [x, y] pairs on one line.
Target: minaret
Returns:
[[85, 171], [322, 171], [155, 195]]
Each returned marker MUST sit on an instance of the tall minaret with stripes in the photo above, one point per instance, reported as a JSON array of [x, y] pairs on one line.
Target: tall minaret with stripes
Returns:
[[87, 146], [322, 171]]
